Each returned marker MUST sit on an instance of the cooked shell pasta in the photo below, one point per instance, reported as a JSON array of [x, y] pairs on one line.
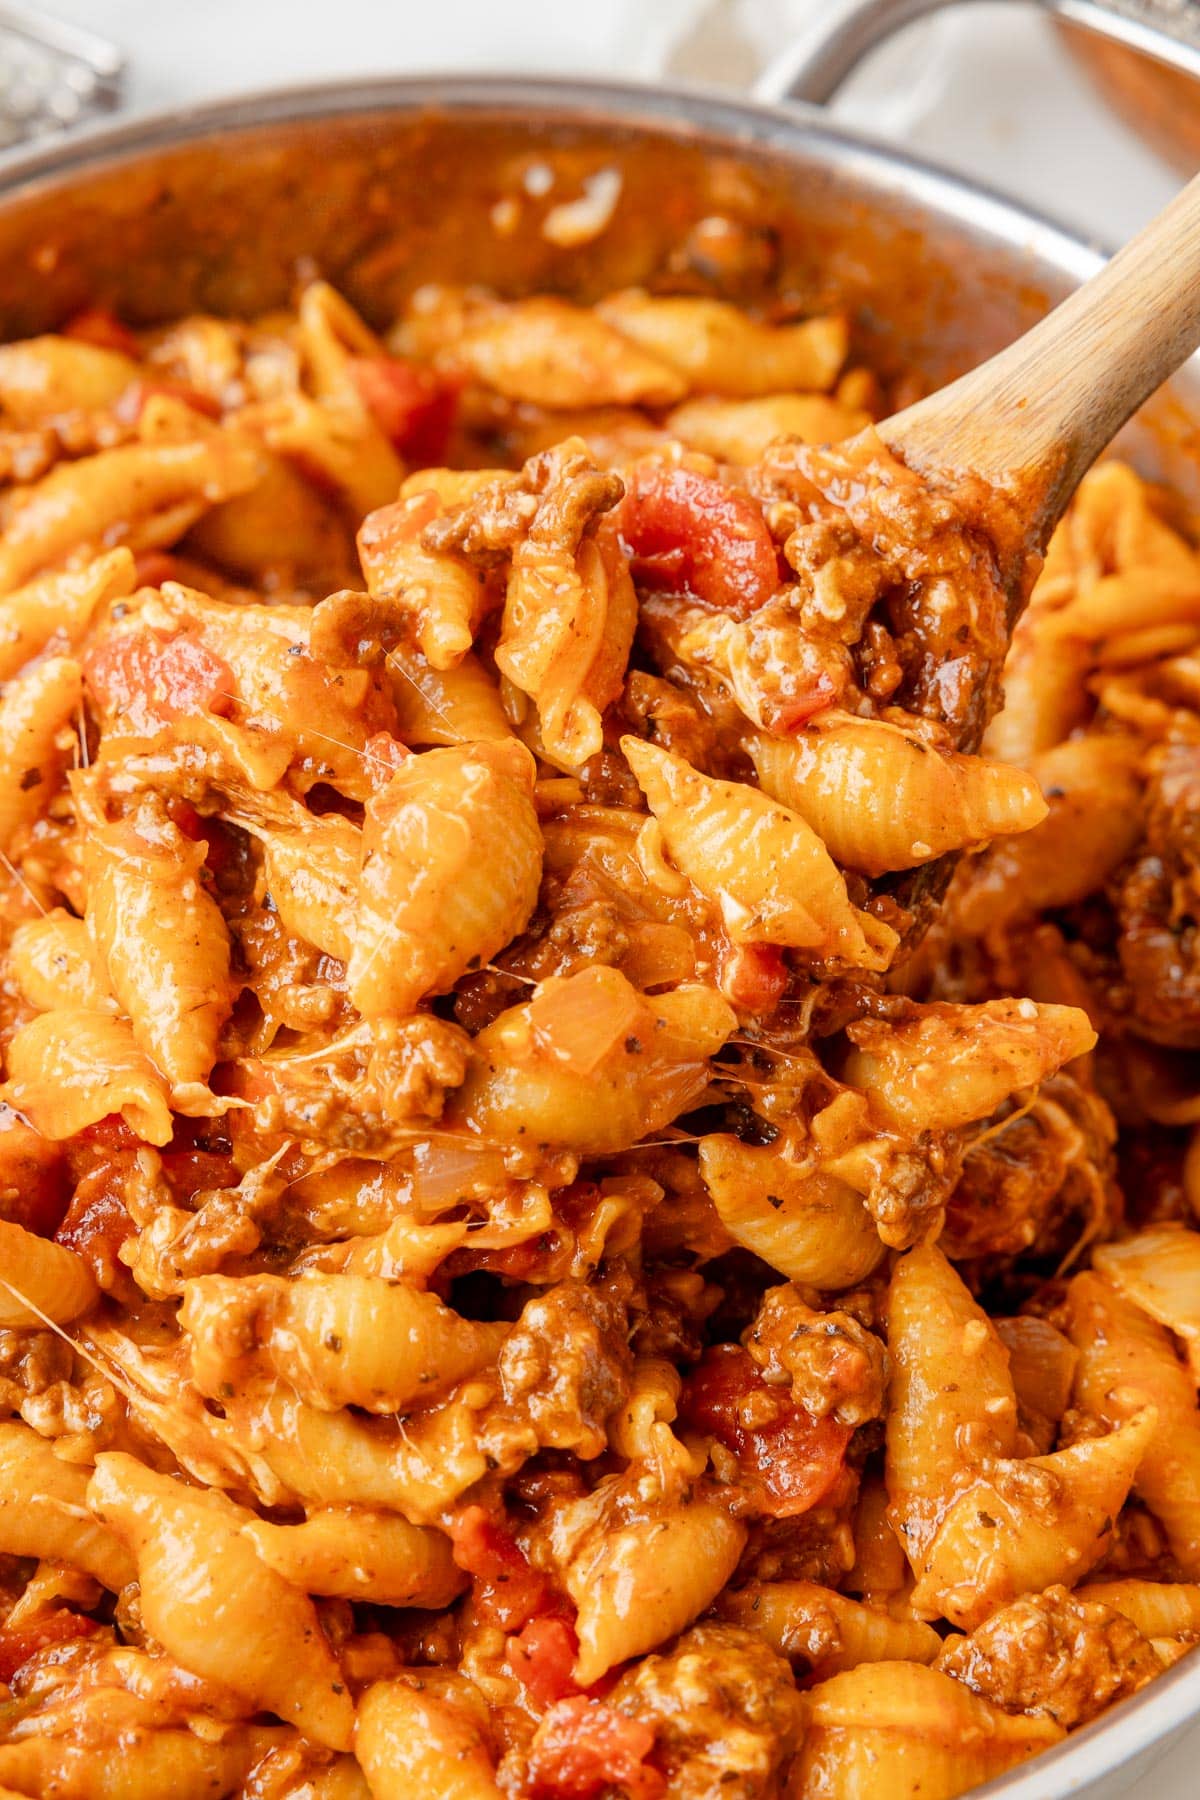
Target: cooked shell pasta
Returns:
[[451, 859], [55, 963], [541, 350], [722, 351], [738, 431], [881, 799], [897, 1731], [37, 715], [1159, 1270], [569, 619], [60, 606], [41, 1280], [256, 1633], [822, 1632], [43, 1511], [70, 1068], [642, 1571], [358, 1554], [1024, 1526], [758, 861], [444, 597], [589, 1064], [806, 1223], [951, 1403], [1159, 1609], [163, 941], [445, 706], [340, 1340], [419, 1734], [1127, 1364], [43, 376], [953, 1064], [147, 493]]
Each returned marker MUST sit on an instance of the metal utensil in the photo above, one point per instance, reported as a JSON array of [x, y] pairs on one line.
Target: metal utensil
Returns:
[[52, 75]]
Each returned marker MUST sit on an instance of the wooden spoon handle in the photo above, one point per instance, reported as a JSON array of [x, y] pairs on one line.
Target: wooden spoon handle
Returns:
[[1043, 409]]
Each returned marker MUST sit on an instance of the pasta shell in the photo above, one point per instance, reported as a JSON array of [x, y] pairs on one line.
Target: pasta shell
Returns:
[[70, 1068], [951, 1401], [1127, 1365], [153, 1759], [1095, 820], [340, 1340], [445, 597], [771, 876], [215, 1606], [899, 1731], [312, 872], [807, 1224], [721, 350], [60, 605], [541, 349], [451, 862], [37, 709], [882, 800], [952, 1064], [357, 1554], [41, 1280], [44, 376], [1159, 1270], [639, 1580], [591, 1065], [147, 493], [824, 1632], [1011, 1533], [1159, 1609], [55, 963], [164, 941], [425, 1736], [569, 620], [445, 706], [738, 431], [43, 1511]]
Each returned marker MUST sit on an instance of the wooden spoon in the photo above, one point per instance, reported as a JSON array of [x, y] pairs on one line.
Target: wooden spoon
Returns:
[[1034, 418]]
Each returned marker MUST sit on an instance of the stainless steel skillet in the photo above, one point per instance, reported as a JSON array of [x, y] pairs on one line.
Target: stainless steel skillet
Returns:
[[384, 184]]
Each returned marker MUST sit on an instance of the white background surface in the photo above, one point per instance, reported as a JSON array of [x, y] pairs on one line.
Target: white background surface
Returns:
[[987, 89]]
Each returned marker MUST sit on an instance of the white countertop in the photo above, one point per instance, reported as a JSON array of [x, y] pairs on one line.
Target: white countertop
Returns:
[[987, 89]]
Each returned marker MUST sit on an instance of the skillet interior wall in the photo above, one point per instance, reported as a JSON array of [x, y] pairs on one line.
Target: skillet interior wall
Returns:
[[383, 200]]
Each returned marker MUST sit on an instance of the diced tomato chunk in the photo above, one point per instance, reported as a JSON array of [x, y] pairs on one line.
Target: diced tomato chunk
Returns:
[[413, 407], [96, 1223], [385, 754], [150, 679], [99, 325], [788, 1462], [218, 849], [112, 1132], [690, 534], [34, 1180], [18, 1644], [191, 1172], [798, 708], [543, 1656], [508, 1591], [583, 1748], [754, 977]]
